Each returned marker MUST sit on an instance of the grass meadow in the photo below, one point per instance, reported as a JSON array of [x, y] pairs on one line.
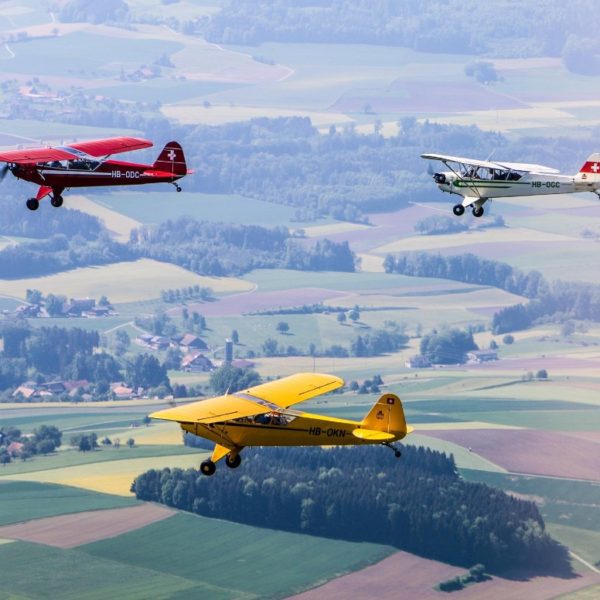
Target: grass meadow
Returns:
[[132, 281], [235, 557], [24, 500]]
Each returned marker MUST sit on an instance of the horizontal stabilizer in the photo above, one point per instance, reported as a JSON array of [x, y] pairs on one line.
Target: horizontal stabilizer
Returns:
[[372, 435]]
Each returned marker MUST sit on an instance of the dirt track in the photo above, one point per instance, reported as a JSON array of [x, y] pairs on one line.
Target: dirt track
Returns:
[[68, 531]]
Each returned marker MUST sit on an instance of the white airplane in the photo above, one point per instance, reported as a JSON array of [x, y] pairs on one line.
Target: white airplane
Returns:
[[477, 181]]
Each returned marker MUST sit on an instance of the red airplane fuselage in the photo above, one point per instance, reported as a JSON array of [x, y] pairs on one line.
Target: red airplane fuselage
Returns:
[[92, 174]]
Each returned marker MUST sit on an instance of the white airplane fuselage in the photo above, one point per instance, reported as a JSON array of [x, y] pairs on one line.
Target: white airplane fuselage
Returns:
[[530, 184]]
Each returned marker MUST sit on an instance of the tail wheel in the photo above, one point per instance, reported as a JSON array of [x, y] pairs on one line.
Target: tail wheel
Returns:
[[208, 468], [458, 210], [233, 462], [56, 200], [478, 211], [32, 204]]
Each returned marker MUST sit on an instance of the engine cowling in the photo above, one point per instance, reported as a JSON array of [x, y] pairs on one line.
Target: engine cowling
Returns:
[[439, 178]]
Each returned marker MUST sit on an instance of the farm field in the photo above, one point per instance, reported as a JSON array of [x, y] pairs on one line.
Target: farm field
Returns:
[[418, 574], [204, 550], [25, 500], [122, 282], [69, 531], [109, 477], [159, 204]]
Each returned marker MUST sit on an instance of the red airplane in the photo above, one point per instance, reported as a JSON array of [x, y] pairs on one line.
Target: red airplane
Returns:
[[86, 164]]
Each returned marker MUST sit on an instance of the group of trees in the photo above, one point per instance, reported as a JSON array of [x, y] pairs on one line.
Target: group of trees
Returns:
[[45, 353], [418, 503], [192, 292], [447, 346], [224, 249], [557, 300], [44, 440]]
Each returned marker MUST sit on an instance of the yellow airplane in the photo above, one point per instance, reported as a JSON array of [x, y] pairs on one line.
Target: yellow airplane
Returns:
[[260, 416]]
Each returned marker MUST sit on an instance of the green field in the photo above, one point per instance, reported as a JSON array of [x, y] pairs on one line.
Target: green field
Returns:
[[25, 500], [35, 571], [73, 457], [104, 55], [154, 206], [240, 560], [72, 418]]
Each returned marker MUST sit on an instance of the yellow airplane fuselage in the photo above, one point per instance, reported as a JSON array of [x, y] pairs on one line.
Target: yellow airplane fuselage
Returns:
[[304, 430]]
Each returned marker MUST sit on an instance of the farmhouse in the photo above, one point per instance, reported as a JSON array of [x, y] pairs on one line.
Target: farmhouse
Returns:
[[479, 356], [419, 361], [196, 362], [190, 342]]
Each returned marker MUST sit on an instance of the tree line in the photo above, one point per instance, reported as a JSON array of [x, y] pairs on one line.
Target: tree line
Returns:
[[556, 301], [418, 504]]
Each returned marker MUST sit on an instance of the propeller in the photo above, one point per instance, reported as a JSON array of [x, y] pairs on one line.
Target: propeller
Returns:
[[5, 169], [430, 170]]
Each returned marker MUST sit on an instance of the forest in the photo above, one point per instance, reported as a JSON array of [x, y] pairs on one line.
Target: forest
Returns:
[[554, 301], [203, 247], [417, 503], [517, 29]]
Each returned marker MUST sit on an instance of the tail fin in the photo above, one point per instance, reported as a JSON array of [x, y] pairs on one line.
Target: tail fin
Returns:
[[171, 160], [590, 171], [387, 415]]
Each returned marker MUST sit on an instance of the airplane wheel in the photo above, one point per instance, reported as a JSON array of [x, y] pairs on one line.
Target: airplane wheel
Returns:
[[208, 467], [458, 210], [397, 453], [177, 188], [478, 211], [233, 462], [56, 201], [32, 204]]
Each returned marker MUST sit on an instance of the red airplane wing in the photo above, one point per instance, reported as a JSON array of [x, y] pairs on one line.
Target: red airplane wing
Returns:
[[110, 146], [35, 155]]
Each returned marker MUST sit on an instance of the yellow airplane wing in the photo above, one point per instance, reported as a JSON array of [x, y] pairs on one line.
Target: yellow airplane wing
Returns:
[[267, 397]]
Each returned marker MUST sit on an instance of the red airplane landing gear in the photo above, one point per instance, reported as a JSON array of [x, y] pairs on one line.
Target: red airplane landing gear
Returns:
[[32, 204], [177, 187], [56, 200]]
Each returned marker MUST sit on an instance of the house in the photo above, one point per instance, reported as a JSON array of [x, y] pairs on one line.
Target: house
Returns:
[[419, 361], [196, 362], [97, 311], [77, 306], [159, 342], [479, 356], [190, 342], [122, 392], [26, 390], [27, 310], [14, 449]]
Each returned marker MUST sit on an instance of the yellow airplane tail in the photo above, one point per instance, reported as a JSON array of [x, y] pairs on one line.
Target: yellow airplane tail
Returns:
[[387, 415]]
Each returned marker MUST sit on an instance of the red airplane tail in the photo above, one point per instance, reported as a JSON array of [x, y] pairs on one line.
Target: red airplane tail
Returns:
[[171, 160]]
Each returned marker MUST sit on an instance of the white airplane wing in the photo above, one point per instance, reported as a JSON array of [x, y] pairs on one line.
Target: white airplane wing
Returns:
[[472, 162], [529, 168], [486, 164]]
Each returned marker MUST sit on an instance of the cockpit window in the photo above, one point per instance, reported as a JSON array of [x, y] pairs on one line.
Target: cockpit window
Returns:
[[270, 418]]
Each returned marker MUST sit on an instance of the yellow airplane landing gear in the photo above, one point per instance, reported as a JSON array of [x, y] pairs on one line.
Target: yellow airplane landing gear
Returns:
[[233, 461], [397, 452], [208, 467]]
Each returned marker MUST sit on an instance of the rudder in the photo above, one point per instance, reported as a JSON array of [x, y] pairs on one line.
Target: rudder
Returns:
[[386, 415], [171, 160]]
